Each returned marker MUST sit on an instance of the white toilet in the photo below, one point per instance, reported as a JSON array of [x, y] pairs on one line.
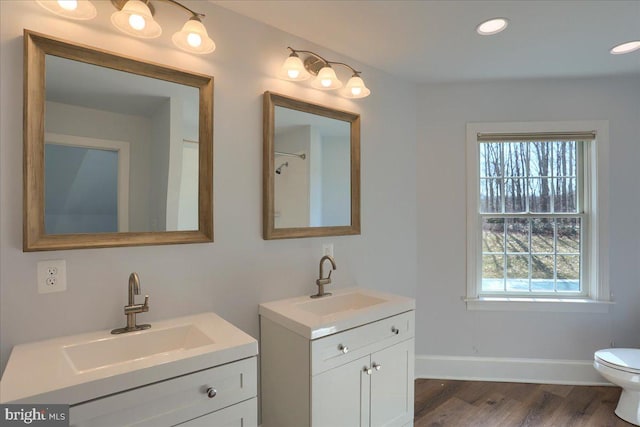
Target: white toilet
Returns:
[[621, 366]]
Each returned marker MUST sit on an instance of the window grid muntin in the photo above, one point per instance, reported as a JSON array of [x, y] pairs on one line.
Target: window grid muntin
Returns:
[[552, 177], [579, 168], [582, 291]]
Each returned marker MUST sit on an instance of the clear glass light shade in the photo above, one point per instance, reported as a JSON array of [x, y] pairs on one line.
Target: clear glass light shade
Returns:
[[627, 47], [293, 69], [73, 9], [193, 38], [355, 88], [492, 26], [135, 19], [326, 80]]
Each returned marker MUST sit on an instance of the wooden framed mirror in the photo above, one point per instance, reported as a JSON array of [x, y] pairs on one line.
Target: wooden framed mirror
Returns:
[[311, 169], [117, 151]]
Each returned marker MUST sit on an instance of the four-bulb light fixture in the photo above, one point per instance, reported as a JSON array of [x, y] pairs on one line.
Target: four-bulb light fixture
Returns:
[[135, 17], [294, 69]]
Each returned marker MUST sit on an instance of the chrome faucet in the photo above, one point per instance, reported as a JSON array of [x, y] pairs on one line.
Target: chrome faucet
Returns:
[[133, 308], [324, 280]]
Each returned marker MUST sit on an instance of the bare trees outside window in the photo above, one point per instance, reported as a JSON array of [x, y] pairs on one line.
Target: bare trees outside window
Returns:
[[529, 201]]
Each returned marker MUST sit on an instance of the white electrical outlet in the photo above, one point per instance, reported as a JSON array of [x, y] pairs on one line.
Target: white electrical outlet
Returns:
[[52, 276], [327, 249]]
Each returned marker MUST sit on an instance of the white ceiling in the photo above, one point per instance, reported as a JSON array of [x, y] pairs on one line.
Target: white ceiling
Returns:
[[435, 41]]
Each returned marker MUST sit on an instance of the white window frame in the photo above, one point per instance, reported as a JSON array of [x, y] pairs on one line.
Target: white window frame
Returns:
[[595, 248]]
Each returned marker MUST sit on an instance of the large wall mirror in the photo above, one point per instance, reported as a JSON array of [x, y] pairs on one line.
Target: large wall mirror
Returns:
[[311, 169], [117, 151]]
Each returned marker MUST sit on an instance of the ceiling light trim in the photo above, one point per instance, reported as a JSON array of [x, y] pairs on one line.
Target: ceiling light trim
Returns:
[[626, 47], [492, 26]]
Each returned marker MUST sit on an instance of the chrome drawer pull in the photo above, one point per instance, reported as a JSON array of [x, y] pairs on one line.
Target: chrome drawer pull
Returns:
[[395, 330], [376, 366], [211, 392], [343, 348], [368, 371]]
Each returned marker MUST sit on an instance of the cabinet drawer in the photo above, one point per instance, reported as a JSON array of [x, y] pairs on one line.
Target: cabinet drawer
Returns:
[[170, 402], [328, 352]]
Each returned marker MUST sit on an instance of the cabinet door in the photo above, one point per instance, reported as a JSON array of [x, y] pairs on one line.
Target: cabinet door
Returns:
[[392, 385], [340, 396], [243, 414]]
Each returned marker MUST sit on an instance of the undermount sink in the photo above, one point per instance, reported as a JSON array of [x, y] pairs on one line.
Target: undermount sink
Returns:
[[344, 309], [339, 303], [134, 346]]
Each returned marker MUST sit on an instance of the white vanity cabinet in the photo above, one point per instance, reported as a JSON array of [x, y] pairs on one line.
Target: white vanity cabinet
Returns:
[[196, 370], [220, 396], [359, 377]]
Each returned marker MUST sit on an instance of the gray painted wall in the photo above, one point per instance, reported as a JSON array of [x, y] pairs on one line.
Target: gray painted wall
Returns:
[[239, 270], [445, 327]]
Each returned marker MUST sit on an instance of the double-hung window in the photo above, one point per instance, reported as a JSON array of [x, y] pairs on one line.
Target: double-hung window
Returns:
[[534, 213]]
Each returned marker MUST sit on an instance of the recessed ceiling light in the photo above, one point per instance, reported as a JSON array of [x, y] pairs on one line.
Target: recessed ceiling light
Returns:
[[627, 47], [492, 26]]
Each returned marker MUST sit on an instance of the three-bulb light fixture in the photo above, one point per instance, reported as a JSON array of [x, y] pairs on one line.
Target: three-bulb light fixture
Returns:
[[135, 17], [294, 69]]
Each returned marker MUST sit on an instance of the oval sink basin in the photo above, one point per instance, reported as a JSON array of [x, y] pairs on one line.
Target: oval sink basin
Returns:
[[339, 303], [134, 346]]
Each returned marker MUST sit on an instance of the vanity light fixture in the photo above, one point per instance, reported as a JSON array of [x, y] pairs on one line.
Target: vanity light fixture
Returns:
[[73, 9], [627, 47], [326, 79], [294, 69], [492, 26], [135, 18]]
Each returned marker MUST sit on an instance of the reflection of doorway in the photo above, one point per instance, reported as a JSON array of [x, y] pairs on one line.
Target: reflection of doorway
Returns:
[[188, 199], [86, 185]]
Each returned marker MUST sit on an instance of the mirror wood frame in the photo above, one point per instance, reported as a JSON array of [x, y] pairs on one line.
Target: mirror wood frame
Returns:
[[272, 100], [36, 47]]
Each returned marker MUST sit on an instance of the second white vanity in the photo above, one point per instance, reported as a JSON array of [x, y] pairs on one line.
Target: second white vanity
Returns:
[[345, 360]]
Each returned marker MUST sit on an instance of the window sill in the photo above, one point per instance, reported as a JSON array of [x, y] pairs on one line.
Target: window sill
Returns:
[[559, 305]]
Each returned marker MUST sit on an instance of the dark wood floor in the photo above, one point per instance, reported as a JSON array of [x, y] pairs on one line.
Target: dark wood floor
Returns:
[[447, 403]]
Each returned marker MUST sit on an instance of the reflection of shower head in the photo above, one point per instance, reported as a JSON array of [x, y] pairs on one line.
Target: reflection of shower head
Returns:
[[279, 169]]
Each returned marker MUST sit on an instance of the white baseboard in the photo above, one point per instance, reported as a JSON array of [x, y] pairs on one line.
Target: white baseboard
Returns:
[[540, 371]]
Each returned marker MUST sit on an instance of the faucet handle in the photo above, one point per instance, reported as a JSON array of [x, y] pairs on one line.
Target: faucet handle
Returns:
[[329, 276], [145, 306]]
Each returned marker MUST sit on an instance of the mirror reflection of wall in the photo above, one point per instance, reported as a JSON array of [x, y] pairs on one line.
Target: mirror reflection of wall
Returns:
[[314, 191], [159, 122]]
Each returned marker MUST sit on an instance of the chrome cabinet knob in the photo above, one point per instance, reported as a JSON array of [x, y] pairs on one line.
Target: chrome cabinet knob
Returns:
[[368, 371], [377, 367], [211, 392], [395, 330], [343, 348]]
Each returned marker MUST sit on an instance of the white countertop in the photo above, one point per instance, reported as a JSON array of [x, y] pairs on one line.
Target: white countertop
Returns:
[[40, 372], [291, 313]]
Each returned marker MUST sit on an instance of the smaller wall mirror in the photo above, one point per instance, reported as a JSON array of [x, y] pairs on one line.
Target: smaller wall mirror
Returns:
[[311, 168], [117, 151]]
